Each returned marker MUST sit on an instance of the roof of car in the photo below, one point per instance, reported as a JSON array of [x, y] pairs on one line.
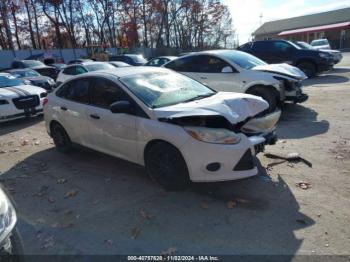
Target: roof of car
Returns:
[[5, 74], [127, 71], [85, 63], [19, 69], [213, 52]]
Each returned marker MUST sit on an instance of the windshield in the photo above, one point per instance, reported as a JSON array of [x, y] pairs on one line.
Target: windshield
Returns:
[[99, 66], [32, 63], [319, 42], [242, 59], [25, 73], [138, 58], [8, 81], [165, 88]]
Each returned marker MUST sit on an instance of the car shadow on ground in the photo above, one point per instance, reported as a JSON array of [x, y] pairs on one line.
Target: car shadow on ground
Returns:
[[298, 121], [328, 78], [18, 124], [90, 203]]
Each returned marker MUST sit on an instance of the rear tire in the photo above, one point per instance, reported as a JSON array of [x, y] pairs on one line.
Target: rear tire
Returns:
[[166, 166], [61, 138], [308, 68], [268, 95]]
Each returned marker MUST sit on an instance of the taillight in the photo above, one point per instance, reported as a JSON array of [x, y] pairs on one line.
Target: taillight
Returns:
[[45, 101]]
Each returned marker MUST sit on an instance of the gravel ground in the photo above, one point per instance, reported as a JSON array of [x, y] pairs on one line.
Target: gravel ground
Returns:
[[90, 203]]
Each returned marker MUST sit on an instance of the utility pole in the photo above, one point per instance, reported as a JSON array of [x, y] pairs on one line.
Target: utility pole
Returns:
[[261, 17]]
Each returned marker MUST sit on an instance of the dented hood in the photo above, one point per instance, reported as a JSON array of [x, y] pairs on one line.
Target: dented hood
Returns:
[[235, 107], [282, 69]]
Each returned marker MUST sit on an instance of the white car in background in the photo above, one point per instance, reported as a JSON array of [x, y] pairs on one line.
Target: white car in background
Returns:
[[18, 100], [177, 128], [76, 69], [236, 71], [321, 44]]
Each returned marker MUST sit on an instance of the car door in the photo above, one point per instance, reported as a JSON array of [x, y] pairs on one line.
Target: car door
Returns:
[[71, 109], [262, 50], [111, 133], [216, 73], [282, 52]]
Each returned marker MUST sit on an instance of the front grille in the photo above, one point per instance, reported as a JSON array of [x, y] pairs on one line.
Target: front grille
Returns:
[[26, 102]]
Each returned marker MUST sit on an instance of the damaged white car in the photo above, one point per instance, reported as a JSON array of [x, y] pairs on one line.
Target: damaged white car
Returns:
[[177, 128], [236, 71]]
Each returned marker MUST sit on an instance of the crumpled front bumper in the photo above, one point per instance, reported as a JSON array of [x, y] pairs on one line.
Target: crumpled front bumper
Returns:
[[262, 131], [294, 93]]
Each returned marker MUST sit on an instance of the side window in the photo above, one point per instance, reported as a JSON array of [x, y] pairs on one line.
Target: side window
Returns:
[[262, 46], [245, 47], [69, 70], [281, 46], [16, 64], [185, 64], [154, 62], [211, 64], [80, 70], [104, 93], [76, 90]]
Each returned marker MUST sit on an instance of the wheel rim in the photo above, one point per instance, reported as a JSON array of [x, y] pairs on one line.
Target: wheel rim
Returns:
[[59, 137]]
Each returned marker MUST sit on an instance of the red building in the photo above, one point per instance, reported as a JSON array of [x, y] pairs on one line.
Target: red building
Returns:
[[333, 25]]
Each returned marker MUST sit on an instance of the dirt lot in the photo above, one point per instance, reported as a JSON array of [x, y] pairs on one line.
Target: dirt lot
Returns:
[[90, 203]]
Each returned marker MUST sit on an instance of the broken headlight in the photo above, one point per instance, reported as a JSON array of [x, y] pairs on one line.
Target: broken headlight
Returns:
[[8, 216], [213, 135]]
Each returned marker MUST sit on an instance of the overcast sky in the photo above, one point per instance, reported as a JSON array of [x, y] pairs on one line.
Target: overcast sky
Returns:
[[246, 13]]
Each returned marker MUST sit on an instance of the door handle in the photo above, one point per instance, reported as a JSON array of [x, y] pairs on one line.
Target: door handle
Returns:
[[64, 108], [204, 78], [94, 116]]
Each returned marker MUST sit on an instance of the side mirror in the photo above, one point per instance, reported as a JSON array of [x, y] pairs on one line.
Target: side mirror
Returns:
[[227, 69], [121, 107]]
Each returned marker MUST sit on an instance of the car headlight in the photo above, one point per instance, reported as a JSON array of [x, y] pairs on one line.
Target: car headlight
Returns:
[[8, 217], [324, 55], [51, 81], [213, 135], [27, 82]]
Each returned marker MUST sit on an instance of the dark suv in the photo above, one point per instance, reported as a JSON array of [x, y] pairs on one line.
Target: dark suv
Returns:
[[310, 62]]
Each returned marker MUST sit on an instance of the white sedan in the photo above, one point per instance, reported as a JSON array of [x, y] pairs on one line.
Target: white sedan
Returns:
[[18, 100], [236, 71], [77, 69], [177, 128]]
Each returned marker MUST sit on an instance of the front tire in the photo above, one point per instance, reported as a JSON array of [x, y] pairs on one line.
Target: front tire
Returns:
[[268, 95], [308, 68], [61, 138], [166, 166]]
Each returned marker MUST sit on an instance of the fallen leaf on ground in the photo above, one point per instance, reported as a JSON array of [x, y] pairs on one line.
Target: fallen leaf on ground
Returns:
[[68, 212], [71, 193], [204, 205], [48, 242], [61, 181], [135, 232], [145, 214], [108, 242], [25, 142], [40, 221], [231, 204], [303, 185], [170, 251], [51, 199]]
